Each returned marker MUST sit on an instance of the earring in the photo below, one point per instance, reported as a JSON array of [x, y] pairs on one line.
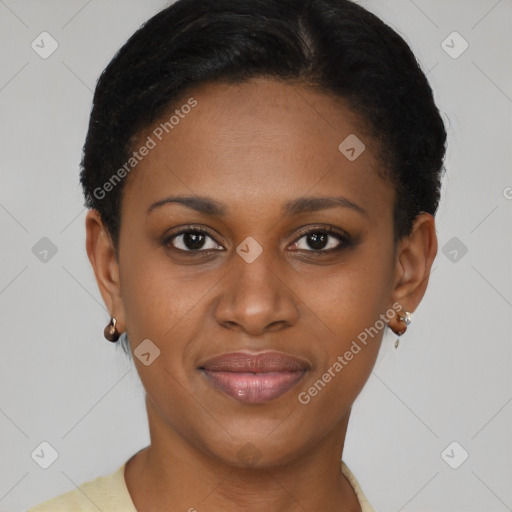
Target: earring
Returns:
[[407, 318], [110, 332]]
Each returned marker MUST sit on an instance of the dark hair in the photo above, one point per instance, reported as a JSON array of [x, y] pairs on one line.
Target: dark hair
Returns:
[[335, 46]]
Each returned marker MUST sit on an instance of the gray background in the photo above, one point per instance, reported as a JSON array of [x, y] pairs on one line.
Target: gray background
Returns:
[[450, 380]]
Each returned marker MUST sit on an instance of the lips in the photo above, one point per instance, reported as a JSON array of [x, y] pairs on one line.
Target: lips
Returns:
[[254, 378]]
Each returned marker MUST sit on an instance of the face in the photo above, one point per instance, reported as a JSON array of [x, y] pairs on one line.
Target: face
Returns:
[[253, 254]]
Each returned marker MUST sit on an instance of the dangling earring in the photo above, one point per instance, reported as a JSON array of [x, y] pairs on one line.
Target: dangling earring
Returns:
[[110, 332], [407, 320]]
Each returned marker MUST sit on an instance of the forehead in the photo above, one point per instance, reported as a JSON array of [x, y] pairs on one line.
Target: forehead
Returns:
[[260, 141]]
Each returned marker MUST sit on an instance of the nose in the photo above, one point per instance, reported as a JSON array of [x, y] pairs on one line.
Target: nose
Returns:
[[256, 298]]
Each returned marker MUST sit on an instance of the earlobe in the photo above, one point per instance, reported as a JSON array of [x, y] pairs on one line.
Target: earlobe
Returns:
[[101, 253], [415, 256]]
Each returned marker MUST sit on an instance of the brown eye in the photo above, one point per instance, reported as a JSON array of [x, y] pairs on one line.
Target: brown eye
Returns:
[[321, 240], [192, 240]]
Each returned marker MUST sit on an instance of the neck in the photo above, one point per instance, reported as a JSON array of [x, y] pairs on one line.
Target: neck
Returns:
[[172, 474]]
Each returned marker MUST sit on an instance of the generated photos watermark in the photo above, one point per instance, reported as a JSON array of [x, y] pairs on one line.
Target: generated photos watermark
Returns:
[[342, 360], [152, 141]]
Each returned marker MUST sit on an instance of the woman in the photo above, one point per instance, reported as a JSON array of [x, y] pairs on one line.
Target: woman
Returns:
[[262, 179]]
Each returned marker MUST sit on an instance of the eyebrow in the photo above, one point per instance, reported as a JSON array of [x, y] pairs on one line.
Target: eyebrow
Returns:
[[209, 206], [204, 205], [313, 204]]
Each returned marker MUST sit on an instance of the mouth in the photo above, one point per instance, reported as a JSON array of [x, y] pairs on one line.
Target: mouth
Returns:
[[254, 378]]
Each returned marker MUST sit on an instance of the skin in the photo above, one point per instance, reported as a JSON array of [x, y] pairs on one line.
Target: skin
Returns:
[[253, 147]]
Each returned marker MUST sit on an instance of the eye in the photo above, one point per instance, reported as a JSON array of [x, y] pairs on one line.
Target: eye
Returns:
[[192, 239], [320, 240]]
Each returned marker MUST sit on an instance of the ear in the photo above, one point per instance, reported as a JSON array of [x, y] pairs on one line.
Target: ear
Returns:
[[414, 257], [101, 253]]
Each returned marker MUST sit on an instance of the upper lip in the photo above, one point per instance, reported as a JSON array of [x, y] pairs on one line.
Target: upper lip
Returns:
[[262, 362]]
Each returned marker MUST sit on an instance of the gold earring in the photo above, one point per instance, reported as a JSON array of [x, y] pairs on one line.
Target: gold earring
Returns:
[[407, 318], [110, 332]]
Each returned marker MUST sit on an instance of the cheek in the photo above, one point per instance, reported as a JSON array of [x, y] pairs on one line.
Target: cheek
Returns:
[[346, 354], [157, 295], [352, 296], [350, 305], [169, 306], [162, 307]]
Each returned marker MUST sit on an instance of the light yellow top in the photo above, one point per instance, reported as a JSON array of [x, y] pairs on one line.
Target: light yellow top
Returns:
[[110, 494]]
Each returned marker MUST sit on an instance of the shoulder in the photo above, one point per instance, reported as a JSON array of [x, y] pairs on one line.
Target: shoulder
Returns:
[[106, 493], [363, 501]]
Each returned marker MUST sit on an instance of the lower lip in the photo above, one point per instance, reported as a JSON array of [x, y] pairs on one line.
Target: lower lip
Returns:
[[254, 388]]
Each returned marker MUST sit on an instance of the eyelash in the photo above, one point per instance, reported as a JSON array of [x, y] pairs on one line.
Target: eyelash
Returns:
[[345, 241]]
